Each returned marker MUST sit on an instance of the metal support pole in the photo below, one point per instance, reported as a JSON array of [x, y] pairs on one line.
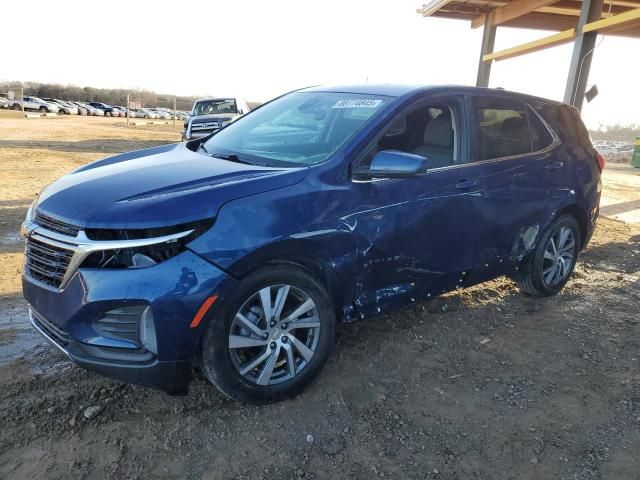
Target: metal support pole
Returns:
[[128, 110], [488, 41], [22, 99], [174, 113], [582, 54]]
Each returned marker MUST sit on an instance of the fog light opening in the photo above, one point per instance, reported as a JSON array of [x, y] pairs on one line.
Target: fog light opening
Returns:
[[148, 331]]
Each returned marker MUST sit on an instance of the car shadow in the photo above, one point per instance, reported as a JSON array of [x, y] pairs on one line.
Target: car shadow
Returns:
[[618, 208]]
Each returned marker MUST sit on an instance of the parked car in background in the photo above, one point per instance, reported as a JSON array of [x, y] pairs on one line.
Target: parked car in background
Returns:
[[123, 111], [88, 108], [143, 113], [4, 103], [606, 150], [107, 109], [211, 114], [240, 252], [96, 112], [162, 114], [628, 148], [64, 107], [81, 109], [34, 104]]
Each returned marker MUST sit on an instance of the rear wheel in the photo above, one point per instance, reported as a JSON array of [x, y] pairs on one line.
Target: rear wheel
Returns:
[[43, 109], [551, 265], [271, 338], [108, 114], [17, 107]]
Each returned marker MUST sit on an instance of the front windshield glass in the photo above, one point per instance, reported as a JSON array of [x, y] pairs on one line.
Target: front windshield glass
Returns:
[[303, 128], [213, 107]]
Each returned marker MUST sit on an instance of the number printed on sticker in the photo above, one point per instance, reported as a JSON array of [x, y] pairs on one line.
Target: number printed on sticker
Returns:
[[357, 103]]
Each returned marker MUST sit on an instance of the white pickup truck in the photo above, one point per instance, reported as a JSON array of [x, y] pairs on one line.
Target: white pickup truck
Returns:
[[211, 114], [35, 104]]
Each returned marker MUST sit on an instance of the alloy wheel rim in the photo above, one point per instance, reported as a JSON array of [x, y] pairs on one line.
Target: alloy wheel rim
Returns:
[[274, 334], [559, 254]]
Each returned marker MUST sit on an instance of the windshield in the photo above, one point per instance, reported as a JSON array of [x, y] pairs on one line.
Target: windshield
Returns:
[[303, 128], [218, 105]]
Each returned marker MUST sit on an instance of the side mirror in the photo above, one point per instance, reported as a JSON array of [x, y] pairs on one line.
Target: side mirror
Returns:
[[394, 164]]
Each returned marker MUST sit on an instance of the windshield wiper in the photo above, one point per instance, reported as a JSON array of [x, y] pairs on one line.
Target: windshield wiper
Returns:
[[201, 146], [232, 157]]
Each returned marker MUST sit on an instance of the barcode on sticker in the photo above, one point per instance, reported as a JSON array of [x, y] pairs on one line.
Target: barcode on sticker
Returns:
[[357, 103]]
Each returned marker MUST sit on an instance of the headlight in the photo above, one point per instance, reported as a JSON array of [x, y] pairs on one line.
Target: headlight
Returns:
[[31, 212], [143, 256], [27, 226]]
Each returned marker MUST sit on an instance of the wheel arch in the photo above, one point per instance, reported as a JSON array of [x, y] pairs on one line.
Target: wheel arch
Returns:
[[316, 267], [581, 217]]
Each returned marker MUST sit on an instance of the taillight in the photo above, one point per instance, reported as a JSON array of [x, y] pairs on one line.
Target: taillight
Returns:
[[600, 160]]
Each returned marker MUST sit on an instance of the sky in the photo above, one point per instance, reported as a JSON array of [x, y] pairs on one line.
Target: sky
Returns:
[[259, 49]]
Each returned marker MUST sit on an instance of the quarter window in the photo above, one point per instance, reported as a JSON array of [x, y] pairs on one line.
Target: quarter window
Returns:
[[540, 136]]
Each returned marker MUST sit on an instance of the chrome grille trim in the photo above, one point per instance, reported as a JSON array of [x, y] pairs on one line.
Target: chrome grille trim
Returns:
[[71, 252], [56, 225]]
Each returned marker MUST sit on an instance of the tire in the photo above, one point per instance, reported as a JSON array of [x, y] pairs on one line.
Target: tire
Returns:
[[44, 109], [272, 378], [107, 114], [545, 273], [16, 107]]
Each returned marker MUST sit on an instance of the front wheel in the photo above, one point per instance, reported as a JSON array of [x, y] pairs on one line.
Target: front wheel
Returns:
[[271, 337], [551, 265]]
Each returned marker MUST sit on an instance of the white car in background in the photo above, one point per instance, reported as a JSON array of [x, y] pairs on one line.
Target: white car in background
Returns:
[[606, 150], [34, 104], [142, 113]]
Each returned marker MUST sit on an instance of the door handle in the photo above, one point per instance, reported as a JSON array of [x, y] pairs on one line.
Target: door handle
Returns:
[[554, 165], [466, 184]]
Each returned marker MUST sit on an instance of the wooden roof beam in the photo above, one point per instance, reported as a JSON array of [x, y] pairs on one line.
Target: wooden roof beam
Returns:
[[513, 10], [529, 47], [615, 23]]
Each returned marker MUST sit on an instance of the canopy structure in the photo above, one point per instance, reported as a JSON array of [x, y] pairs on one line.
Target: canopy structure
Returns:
[[577, 21]]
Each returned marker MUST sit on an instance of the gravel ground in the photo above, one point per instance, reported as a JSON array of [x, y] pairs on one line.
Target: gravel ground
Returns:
[[483, 383]]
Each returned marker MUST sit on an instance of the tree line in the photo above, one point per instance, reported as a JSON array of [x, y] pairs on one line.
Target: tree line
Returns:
[[616, 132], [111, 96]]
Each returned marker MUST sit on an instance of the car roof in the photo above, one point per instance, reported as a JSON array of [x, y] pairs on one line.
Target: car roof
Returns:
[[398, 90]]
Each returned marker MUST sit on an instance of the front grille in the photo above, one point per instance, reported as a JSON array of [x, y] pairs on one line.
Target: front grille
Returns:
[[205, 126], [55, 225], [53, 331], [46, 263]]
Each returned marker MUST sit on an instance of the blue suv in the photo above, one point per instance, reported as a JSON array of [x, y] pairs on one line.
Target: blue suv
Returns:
[[239, 252]]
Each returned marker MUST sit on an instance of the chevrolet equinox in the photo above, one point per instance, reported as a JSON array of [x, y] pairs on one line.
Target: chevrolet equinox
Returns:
[[240, 251]]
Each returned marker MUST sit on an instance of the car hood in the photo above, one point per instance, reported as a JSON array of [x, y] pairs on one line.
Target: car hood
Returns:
[[159, 186]]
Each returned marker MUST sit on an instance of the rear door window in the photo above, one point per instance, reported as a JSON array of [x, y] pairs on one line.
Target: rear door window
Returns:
[[502, 128]]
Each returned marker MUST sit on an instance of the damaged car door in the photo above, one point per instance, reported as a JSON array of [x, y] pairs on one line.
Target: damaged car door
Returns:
[[415, 235], [525, 178]]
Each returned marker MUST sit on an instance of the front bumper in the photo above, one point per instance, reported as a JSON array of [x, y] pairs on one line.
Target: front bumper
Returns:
[[174, 290], [172, 377]]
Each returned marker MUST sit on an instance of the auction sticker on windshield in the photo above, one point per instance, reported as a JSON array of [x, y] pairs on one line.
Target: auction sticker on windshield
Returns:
[[357, 103]]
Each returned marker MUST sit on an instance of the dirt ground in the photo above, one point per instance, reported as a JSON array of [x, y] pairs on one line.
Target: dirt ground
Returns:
[[483, 383]]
